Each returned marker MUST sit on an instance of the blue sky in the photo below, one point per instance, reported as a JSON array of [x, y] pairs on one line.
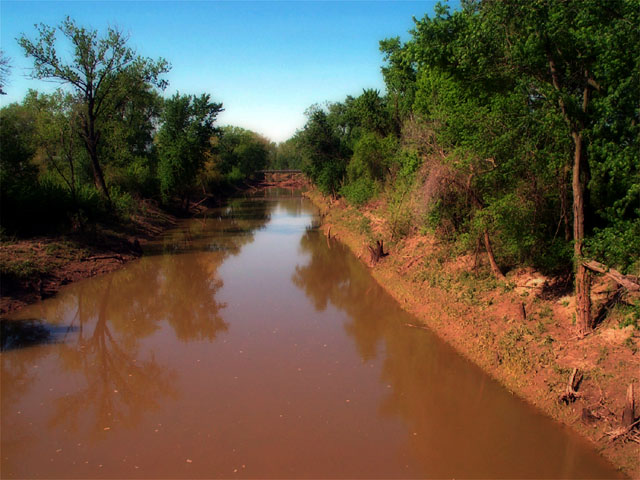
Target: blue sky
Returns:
[[265, 61]]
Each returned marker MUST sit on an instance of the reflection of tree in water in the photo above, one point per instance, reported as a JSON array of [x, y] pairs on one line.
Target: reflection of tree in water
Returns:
[[110, 316], [333, 275], [120, 386], [461, 422], [226, 228], [188, 296]]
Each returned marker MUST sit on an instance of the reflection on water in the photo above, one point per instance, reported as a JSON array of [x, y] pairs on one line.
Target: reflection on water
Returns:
[[244, 344], [462, 423]]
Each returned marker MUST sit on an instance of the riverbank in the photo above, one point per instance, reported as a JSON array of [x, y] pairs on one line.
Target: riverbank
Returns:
[[36, 268], [521, 331]]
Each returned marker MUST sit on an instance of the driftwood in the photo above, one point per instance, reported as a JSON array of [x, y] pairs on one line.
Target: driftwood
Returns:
[[571, 392], [627, 281], [377, 252]]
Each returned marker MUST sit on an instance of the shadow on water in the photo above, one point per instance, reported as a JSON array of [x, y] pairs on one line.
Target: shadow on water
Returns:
[[15, 334]]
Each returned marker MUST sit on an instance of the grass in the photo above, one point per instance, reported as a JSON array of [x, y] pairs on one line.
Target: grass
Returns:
[[512, 349], [24, 260]]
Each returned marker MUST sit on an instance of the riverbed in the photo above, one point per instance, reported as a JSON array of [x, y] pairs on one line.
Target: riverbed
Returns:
[[244, 343]]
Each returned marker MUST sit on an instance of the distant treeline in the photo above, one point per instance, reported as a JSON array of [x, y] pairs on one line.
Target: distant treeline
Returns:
[[91, 150], [513, 126]]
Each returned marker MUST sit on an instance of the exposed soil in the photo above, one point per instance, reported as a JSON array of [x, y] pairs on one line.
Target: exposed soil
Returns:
[[36, 268], [522, 331]]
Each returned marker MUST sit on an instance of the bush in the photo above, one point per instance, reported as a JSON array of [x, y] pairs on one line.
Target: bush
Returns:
[[359, 191]]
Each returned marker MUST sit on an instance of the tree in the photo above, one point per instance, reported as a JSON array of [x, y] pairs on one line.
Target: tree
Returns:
[[525, 92], [5, 69], [16, 137], [183, 140], [580, 54], [242, 152], [324, 158], [55, 134], [100, 74], [286, 155], [400, 78]]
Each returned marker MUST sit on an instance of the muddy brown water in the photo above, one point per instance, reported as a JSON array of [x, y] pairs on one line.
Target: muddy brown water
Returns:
[[246, 345]]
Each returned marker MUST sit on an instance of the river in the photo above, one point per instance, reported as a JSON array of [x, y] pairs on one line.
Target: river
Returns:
[[244, 344]]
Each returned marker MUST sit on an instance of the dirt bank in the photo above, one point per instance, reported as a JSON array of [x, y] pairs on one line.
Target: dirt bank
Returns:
[[522, 331], [36, 268]]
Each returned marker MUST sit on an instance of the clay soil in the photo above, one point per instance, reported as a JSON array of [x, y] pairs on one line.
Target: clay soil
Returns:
[[521, 331], [36, 268]]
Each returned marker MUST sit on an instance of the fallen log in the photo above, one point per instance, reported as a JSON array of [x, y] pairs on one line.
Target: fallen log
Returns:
[[627, 281]]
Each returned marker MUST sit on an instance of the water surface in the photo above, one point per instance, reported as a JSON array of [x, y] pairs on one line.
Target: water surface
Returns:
[[244, 344]]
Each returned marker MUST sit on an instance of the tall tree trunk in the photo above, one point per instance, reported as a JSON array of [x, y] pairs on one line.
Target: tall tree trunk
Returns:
[[91, 138], [98, 176], [583, 277]]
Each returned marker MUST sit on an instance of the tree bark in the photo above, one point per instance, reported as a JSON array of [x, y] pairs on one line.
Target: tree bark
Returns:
[[91, 138], [492, 259], [583, 277], [629, 412]]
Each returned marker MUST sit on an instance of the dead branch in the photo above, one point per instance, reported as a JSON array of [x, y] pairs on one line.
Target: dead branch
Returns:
[[627, 281], [629, 433]]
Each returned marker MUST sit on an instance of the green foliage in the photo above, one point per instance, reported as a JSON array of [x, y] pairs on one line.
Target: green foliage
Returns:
[[17, 172], [323, 155], [242, 153], [183, 141], [359, 191], [618, 244], [286, 155], [104, 75]]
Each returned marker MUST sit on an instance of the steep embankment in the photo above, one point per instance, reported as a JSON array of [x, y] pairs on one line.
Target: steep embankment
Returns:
[[522, 331]]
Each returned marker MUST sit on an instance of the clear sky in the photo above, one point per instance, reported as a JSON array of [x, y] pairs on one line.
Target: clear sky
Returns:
[[265, 61]]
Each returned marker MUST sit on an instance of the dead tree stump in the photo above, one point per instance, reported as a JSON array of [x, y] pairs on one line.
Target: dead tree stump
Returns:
[[629, 412], [571, 392], [377, 252]]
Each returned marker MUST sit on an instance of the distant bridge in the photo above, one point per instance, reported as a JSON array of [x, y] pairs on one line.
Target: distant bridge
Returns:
[[280, 176]]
